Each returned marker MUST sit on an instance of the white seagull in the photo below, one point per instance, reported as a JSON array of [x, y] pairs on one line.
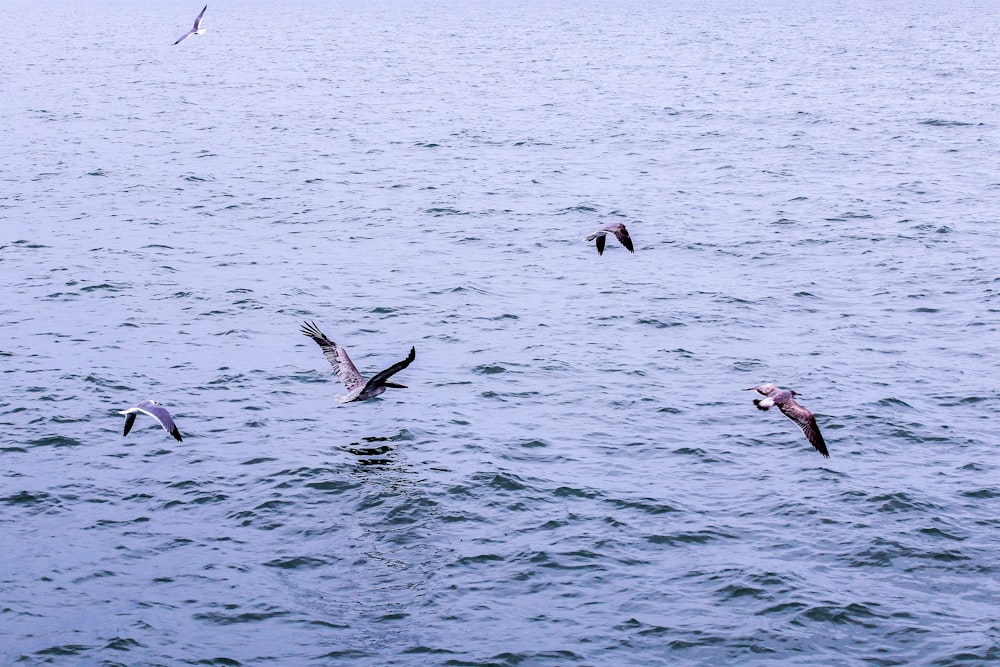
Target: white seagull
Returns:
[[196, 30], [616, 228], [358, 389], [154, 410], [785, 400]]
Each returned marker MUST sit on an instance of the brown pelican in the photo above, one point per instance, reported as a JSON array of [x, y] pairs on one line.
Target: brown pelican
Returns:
[[196, 30], [618, 229], [154, 410], [785, 400], [358, 389]]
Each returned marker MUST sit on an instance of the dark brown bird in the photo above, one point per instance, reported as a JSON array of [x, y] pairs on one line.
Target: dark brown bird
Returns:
[[785, 400], [358, 389], [618, 229]]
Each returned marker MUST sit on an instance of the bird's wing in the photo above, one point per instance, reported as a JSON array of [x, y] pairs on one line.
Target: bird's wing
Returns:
[[622, 235], [337, 356], [601, 240], [197, 21], [807, 422], [160, 414], [129, 421], [379, 378], [183, 37]]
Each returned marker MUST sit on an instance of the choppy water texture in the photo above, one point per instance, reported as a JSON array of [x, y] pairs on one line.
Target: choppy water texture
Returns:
[[574, 476]]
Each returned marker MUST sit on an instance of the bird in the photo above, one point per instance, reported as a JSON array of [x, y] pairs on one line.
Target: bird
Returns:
[[785, 400], [154, 410], [358, 389], [196, 30], [616, 228]]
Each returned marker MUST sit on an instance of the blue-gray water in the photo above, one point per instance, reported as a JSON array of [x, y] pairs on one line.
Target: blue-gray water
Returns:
[[574, 476]]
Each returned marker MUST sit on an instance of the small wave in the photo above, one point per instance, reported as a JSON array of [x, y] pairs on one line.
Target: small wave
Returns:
[[940, 122]]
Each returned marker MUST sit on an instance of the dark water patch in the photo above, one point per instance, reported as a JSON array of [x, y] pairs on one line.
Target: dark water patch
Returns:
[[893, 403], [687, 537], [105, 287], [506, 397], [784, 608], [123, 644], [55, 441], [504, 481], [982, 494], [257, 461], [427, 650], [940, 122], [224, 618], [438, 212], [478, 559], [64, 650], [659, 324], [736, 591], [968, 657], [901, 502], [533, 444], [938, 533], [296, 563], [854, 613], [649, 506], [489, 369], [37, 499], [570, 492], [348, 655]]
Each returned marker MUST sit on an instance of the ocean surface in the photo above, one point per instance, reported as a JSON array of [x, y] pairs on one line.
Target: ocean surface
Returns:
[[575, 475]]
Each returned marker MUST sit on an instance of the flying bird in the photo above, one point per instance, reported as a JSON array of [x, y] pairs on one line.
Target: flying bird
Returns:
[[154, 410], [196, 30], [785, 400], [358, 389], [618, 229]]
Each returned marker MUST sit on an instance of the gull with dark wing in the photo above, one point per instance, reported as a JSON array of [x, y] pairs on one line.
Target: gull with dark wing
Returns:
[[196, 30], [358, 389], [785, 400], [618, 229], [154, 410]]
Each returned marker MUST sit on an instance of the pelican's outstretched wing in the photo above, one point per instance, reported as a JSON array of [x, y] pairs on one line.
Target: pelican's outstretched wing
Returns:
[[807, 422], [380, 378], [337, 356]]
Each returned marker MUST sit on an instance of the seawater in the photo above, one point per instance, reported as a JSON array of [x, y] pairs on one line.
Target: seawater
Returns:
[[574, 476]]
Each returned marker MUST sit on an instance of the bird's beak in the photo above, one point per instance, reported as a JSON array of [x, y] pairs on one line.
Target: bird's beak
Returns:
[[749, 388]]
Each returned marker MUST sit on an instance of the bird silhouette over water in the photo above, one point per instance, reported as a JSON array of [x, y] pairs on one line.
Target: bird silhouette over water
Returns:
[[358, 389], [154, 410], [785, 400], [196, 30], [620, 233]]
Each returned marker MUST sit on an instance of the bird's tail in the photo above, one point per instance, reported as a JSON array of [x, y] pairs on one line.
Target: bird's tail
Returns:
[[765, 408]]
